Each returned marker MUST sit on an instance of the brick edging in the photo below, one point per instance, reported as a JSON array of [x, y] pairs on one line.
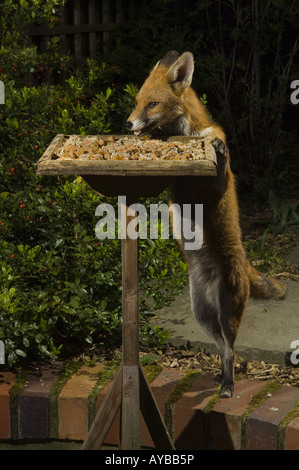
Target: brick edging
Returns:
[[60, 403]]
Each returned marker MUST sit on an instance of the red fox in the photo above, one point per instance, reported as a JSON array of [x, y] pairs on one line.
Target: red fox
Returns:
[[221, 277]]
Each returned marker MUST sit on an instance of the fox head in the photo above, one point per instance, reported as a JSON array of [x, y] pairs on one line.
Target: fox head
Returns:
[[160, 99]]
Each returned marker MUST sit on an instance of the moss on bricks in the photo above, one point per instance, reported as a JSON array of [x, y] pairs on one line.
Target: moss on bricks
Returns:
[[152, 371], [212, 402], [69, 369], [256, 401], [281, 433], [104, 377], [182, 386], [179, 389], [14, 392]]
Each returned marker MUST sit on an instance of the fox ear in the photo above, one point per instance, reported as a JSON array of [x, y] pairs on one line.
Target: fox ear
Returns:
[[168, 59], [181, 72]]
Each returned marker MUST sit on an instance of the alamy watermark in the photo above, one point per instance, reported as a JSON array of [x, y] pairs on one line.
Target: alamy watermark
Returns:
[[187, 222], [2, 93], [295, 94], [295, 354], [2, 352]]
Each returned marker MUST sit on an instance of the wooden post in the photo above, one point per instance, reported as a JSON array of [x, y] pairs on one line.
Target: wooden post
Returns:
[[130, 290], [129, 381], [130, 435], [105, 416]]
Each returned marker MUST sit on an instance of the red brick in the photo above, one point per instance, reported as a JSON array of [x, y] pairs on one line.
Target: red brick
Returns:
[[193, 427], [33, 403], [292, 435], [188, 414], [263, 422], [7, 379], [225, 420], [73, 403]]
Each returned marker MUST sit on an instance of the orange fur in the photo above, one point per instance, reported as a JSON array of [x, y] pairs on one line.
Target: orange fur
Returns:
[[220, 275]]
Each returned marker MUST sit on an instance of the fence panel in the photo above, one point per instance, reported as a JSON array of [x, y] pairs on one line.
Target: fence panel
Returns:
[[85, 27]]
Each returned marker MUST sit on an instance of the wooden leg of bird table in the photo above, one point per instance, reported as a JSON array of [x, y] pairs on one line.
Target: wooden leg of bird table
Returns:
[[129, 391], [105, 416], [136, 393], [130, 407], [153, 417]]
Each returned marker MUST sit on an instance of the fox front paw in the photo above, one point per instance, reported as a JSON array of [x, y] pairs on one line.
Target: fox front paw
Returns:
[[222, 156], [220, 147]]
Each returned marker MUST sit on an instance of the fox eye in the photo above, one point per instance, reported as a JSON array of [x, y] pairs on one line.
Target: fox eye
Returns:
[[152, 104]]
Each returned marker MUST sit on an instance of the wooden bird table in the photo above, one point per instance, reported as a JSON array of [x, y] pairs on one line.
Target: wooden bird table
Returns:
[[129, 391]]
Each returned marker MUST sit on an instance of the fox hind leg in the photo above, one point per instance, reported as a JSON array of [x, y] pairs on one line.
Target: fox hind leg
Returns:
[[212, 308], [223, 337], [226, 378]]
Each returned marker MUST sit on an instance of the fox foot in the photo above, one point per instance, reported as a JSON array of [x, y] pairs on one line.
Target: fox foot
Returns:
[[220, 147], [222, 153], [226, 390]]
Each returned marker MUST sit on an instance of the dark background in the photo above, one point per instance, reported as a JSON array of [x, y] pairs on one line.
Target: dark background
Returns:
[[246, 56]]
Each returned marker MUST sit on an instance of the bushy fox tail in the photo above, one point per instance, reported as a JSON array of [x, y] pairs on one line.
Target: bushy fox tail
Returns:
[[263, 287]]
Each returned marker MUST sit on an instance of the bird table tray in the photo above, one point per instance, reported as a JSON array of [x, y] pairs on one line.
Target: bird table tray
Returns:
[[150, 164]]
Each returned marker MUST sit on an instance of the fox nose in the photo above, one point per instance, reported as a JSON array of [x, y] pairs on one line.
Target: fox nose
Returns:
[[129, 124]]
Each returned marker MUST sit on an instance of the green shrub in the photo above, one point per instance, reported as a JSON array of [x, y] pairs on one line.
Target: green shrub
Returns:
[[60, 285]]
